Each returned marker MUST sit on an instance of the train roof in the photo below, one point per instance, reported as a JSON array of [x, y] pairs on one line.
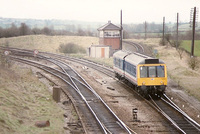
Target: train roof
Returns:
[[136, 58], [120, 54]]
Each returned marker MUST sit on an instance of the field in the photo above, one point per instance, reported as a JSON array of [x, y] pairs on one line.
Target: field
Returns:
[[25, 100], [47, 43], [186, 44]]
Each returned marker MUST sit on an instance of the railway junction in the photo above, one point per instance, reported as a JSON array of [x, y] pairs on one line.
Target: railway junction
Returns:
[[119, 97]]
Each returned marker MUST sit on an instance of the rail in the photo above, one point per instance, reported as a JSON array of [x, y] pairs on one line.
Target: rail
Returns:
[[73, 85]]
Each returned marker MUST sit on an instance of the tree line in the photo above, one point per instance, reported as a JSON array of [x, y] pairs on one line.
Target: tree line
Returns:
[[129, 31], [24, 29], [153, 30]]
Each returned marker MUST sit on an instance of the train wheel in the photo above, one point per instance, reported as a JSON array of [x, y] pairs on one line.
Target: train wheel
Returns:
[[138, 90], [116, 75], [159, 94], [145, 94], [135, 87]]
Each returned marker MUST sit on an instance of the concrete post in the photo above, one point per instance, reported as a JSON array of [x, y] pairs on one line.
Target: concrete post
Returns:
[[56, 93]]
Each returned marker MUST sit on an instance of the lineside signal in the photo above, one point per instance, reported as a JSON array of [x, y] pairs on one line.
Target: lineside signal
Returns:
[[35, 52], [6, 53]]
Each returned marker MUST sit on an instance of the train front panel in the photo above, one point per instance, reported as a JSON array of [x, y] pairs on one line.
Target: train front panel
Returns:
[[152, 76]]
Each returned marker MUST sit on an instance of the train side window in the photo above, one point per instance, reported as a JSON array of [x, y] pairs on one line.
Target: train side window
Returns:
[[152, 71], [121, 64], [133, 71], [116, 62], [129, 68], [143, 72], [160, 71]]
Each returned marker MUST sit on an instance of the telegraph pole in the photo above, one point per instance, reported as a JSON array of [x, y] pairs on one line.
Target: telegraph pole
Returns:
[[163, 29], [121, 28], [177, 31], [145, 28], [193, 31]]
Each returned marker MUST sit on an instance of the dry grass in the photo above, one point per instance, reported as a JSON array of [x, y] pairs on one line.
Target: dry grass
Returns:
[[47, 43], [105, 61], [25, 100]]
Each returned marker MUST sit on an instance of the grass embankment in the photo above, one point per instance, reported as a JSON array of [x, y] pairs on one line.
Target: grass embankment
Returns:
[[186, 44], [25, 100], [47, 43]]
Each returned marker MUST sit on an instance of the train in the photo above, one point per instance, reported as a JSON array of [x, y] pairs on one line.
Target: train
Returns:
[[147, 75]]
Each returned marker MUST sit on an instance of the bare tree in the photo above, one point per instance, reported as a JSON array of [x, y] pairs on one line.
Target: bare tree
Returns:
[[36, 31], [126, 34], [81, 32], [46, 31], [1, 32], [168, 38], [14, 30], [180, 51], [24, 29]]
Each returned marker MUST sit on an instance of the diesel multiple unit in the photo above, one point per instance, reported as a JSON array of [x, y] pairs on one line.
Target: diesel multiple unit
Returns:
[[149, 75]]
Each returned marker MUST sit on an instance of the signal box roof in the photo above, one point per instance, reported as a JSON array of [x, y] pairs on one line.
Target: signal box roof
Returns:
[[108, 26]]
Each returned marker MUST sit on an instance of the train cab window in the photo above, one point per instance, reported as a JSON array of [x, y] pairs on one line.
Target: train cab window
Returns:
[[143, 72], [160, 71], [152, 71]]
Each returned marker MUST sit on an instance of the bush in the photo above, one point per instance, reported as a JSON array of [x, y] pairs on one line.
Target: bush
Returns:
[[180, 52], [193, 63], [173, 43], [71, 48], [163, 42]]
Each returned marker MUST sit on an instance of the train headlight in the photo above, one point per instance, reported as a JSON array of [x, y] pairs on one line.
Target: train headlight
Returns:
[[143, 83], [162, 83]]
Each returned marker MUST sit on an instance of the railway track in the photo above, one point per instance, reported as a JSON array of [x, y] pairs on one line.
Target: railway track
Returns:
[[96, 116], [99, 67], [138, 47], [98, 107], [185, 125], [180, 120]]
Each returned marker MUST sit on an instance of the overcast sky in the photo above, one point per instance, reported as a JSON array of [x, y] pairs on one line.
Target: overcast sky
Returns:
[[134, 11]]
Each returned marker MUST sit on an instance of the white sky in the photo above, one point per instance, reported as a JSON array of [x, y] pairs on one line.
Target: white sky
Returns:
[[134, 11]]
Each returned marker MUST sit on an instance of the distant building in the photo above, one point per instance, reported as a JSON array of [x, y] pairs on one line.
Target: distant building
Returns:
[[109, 41], [99, 51], [109, 35]]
